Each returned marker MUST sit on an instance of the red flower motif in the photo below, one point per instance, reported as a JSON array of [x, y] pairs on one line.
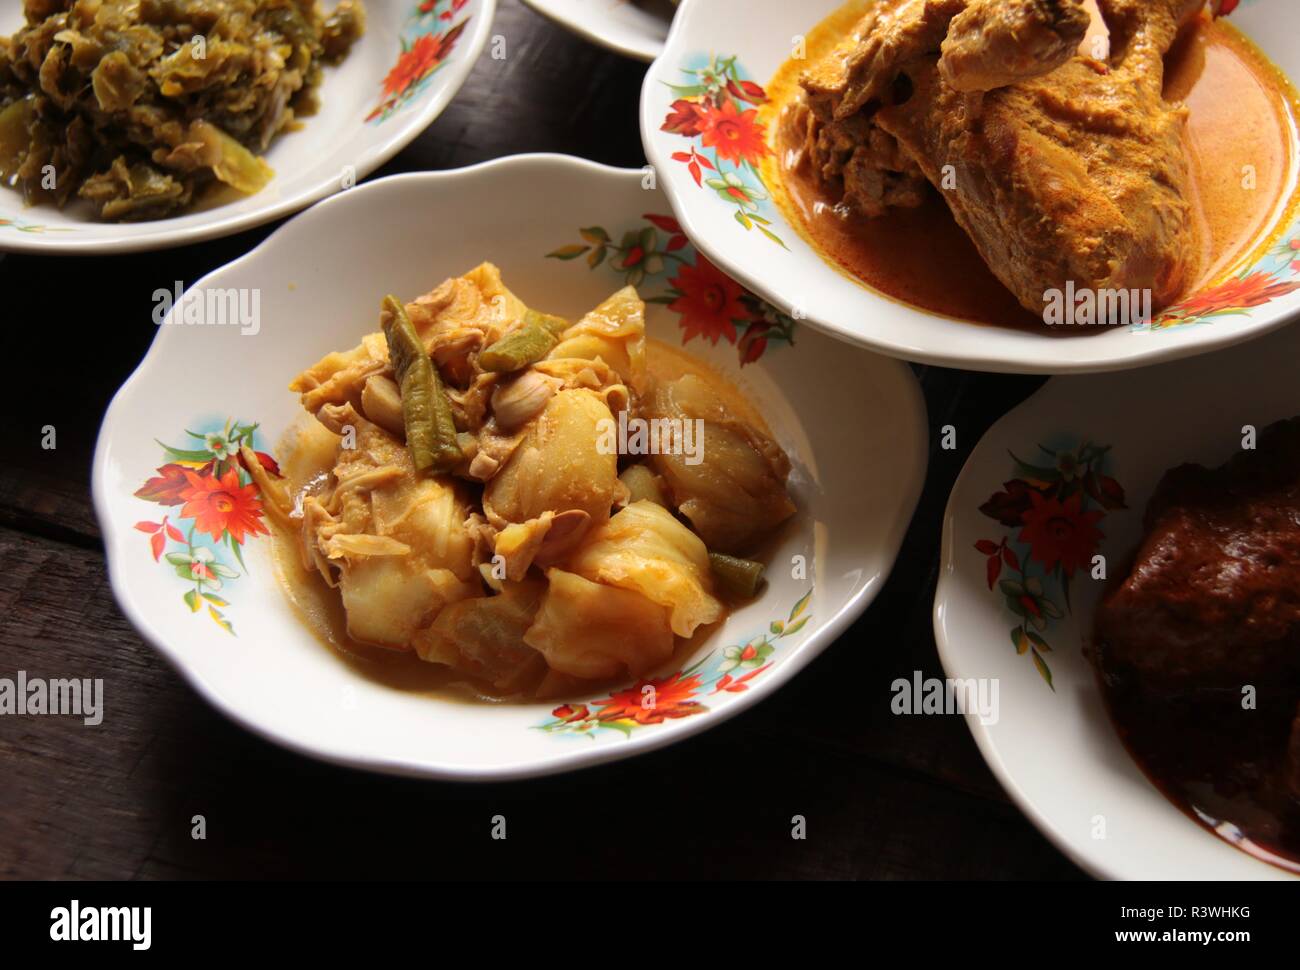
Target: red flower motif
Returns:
[[1252, 290], [570, 712], [1009, 506], [671, 699], [220, 505], [666, 223], [677, 238], [737, 685], [166, 487], [754, 343], [737, 136], [709, 302], [414, 64], [695, 164], [1060, 532], [747, 91], [263, 459], [999, 553], [1105, 491], [686, 118], [159, 533]]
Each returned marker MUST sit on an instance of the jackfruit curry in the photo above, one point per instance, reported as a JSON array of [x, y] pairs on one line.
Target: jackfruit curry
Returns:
[[137, 106], [969, 156], [528, 503]]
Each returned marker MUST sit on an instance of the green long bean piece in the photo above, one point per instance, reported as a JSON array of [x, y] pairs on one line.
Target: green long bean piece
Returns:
[[521, 347], [426, 411], [737, 577]]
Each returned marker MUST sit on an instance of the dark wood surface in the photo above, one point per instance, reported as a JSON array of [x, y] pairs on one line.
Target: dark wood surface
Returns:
[[885, 797]]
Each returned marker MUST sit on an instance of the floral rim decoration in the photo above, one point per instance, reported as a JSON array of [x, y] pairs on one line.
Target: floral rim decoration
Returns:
[[709, 304], [729, 670], [1054, 510], [426, 44], [1275, 275], [717, 111], [220, 508], [32, 227]]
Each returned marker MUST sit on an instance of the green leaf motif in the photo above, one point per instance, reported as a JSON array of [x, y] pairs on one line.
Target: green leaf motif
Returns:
[[221, 621], [800, 606], [239, 555], [1036, 472], [568, 252], [179, 454], [1043, 670]]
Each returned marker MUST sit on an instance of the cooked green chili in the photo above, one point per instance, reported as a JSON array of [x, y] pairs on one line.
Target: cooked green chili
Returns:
[[737, 577], [426, 412]]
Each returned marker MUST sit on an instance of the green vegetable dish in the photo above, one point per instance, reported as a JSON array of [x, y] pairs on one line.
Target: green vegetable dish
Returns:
[[139, 106]]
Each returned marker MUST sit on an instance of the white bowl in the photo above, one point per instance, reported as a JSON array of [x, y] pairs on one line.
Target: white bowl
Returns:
[[1053, 747], [853, 424], [755, 244], [632, 28], [356, 130]]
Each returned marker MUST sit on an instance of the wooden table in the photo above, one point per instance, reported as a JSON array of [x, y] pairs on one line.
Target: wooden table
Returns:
[[885, 797]]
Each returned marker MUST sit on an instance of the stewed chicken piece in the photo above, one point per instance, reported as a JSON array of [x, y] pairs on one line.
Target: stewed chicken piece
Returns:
[[1063, 167]]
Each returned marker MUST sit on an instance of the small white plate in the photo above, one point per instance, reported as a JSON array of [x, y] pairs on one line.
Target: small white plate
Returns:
[[853, 423], [388, 90], [728, 213], [633, 28], [1053, 747]]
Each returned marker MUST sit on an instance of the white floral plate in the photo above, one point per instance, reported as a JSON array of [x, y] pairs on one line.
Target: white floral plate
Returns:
[[566, 234], [721, 54], [401, 74], [633, 28], [1053, 746]]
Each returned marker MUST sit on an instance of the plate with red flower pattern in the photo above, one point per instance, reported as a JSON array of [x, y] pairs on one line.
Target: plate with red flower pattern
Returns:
[[1047, 510], [186, 529], [709, 117], [398, 77]]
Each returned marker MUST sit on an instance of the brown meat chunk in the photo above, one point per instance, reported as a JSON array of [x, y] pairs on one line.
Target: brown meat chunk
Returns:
[[991, 45], [1213, 596]]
